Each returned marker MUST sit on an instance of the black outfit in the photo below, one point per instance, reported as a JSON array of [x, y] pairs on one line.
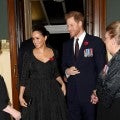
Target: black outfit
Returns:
[[26, 45], [4, 100], [39, 79], [108, 90]]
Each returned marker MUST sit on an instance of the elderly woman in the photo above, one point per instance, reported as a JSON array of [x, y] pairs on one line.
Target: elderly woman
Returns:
[[107, 92]]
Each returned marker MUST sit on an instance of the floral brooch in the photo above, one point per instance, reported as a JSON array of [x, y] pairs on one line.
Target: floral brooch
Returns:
[[86, 43], [52, 59]]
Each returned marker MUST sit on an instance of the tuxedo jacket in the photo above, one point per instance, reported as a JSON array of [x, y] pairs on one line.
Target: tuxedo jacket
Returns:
[[90, 61]]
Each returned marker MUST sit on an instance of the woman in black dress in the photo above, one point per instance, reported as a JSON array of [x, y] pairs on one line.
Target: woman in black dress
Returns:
[[5, 109], [42, 89]]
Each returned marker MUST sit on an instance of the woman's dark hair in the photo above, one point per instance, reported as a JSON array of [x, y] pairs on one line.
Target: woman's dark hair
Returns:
[[41, 29]]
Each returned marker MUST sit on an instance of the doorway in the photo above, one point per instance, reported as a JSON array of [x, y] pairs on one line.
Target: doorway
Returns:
[[20, 29]]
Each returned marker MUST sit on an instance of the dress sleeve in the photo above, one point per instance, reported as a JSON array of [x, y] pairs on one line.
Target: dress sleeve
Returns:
[[4, 99], [25, 69], [56, 70]]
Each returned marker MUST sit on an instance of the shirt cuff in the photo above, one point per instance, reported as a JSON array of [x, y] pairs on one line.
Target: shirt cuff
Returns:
[[67, 76]]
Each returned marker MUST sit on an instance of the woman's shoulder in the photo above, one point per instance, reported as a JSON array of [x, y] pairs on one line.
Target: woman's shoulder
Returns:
[[27, 57], [1, 78], [28, 53], [55, 52]]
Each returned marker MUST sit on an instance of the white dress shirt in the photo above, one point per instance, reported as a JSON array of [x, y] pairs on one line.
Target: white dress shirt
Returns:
[[80, 41]]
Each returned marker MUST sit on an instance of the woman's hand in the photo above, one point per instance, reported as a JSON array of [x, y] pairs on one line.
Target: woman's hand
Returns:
[[16, 114], [94, 98], [63, 88], [13, 112], [22, 102]]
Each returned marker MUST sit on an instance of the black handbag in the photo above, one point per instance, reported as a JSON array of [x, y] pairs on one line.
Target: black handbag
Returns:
[[26, 110], [25, 113]]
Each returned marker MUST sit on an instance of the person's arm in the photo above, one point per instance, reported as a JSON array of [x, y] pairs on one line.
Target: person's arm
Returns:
[[21, 99], [24, 77], [94, 98], [13, 112], [100, 54], [63, 87], [65, 59], [71, 71], [26, 45], [67, 70], [4, 101], [57, 74]]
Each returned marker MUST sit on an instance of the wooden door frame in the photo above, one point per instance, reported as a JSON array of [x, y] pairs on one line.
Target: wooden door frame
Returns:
[[96, 23], [13, 50], [99, 13], [96, 17]]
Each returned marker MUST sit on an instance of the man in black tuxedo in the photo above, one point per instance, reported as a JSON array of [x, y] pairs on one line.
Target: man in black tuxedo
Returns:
[[81, 63]]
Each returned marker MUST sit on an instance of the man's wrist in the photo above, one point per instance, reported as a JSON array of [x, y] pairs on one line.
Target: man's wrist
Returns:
[[66, 73]]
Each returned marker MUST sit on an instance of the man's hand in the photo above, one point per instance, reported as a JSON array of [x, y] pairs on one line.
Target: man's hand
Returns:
[[94, 98], [72, 71]]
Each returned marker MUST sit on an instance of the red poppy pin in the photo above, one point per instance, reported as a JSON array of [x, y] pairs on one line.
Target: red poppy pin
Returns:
[[52, 59], [86, 43]]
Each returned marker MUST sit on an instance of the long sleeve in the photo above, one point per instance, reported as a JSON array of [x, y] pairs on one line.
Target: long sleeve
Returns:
[[4, 99], [55, 64], [100, 54], [25, 69], [67, 55], [64, 58], [26, 45]]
